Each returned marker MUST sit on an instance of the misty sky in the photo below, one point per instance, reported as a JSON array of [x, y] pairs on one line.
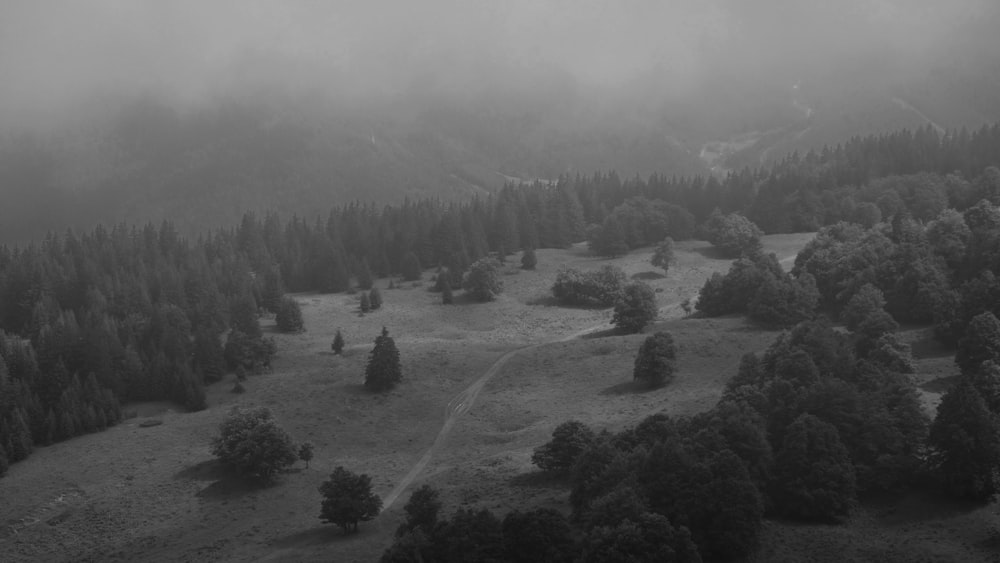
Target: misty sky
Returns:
[[55, 53]]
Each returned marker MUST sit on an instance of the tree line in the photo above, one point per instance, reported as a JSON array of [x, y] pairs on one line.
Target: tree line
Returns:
[[126, 313]]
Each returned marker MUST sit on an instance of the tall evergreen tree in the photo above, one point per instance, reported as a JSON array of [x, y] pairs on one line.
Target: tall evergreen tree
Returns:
[[383, 371], [338, 343]]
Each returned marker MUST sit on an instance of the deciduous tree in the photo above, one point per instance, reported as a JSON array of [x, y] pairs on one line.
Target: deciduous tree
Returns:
[[348, 499], [655, 362], [251, 442], [636, 308]]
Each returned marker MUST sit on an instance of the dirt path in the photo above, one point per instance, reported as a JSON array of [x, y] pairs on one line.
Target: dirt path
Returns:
[[464, 401]]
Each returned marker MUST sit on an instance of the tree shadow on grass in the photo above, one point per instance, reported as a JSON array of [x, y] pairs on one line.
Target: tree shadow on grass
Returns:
[[926, 346], [920, 506], [548, 300], [317, 535], [940, 385], [628, 388], [540, 480], [601, 334], [712, 253], [224, 483], [648, 275]]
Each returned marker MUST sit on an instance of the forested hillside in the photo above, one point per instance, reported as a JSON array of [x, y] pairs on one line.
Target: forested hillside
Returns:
[[124, 313]]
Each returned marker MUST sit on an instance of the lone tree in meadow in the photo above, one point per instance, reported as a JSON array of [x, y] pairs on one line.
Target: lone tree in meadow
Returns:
[[636, 308], [348, 499], [366, 304], [733, 234], [251, 442], [528, 259], [663, 255], [482, 281], [375, 298], [654, 364], [289, 316], [306, 452], [383, 371], [338, 343]]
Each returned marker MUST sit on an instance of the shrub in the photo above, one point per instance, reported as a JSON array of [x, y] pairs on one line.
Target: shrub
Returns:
[[600, 287]]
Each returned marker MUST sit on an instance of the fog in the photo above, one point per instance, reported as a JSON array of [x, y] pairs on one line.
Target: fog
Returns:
[[59, 57]]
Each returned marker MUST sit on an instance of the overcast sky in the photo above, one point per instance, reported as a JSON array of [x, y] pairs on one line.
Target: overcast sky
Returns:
[[54, 53]]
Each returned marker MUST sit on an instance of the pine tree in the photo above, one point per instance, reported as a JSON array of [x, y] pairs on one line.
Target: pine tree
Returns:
[[289, 316], [375, 298], [338, 343], [528, 259], [366, 304], [383, 371], [410, 267], [364, 275], [447, 297]]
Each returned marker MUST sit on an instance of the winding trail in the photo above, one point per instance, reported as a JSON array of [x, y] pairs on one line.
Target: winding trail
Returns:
[[463, 402]]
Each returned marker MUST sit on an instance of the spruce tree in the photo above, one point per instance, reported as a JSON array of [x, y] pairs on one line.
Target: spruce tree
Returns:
[[447, 297], [375, 298], [338, 343], [366, 304], [364, 275], [289, 316], [383, 371], [528, 259], [410, 267]]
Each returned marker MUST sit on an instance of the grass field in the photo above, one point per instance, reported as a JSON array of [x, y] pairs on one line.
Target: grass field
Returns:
[[155, 494]]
